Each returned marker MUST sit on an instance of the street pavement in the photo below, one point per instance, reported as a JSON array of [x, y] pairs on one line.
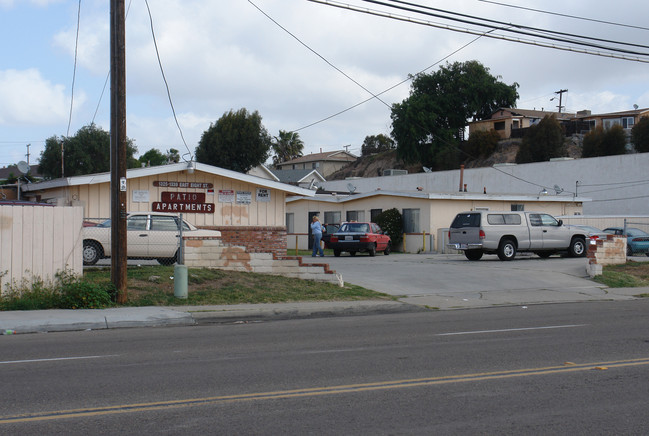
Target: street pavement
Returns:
[[419, 282]]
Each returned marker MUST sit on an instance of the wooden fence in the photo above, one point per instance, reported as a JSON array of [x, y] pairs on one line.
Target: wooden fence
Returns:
[[37, 242]]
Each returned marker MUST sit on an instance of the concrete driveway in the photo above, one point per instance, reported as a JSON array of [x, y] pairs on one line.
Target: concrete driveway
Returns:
[[449, 280]]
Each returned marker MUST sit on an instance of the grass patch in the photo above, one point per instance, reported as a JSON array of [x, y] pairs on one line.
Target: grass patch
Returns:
[[154, 286], [629, 275]]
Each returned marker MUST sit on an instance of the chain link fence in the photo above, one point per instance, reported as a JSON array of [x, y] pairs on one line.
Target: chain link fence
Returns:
[[603, 222]]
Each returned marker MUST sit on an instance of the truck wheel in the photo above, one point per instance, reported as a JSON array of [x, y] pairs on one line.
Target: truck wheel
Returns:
[[336, 253], [473, 254], [507, 249], [577, 247]]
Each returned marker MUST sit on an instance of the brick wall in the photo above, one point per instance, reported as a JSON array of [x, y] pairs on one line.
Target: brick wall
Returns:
[[206, 252], [609, 251], [256, 239]]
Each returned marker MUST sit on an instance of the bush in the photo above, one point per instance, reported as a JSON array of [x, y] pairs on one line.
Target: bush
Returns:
[[600, 142], [391, 223], [542, 142], [67, 292], [640, 135]]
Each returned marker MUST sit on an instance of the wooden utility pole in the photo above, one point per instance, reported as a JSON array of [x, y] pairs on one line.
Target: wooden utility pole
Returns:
[[560, 92], [118, 147]]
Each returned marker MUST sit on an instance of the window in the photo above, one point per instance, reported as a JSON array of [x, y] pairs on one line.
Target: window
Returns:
[[411, 220], [500, 125], [137, 222], [332, 217], [290, 223], [518, 207], [466, 220], [627, 122], [355, 215], [315, 165], [164, 223], [502, 219], [374, 213]]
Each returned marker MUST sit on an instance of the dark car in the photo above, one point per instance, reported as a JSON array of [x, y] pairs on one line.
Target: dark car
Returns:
[[354, 237], [637, 241], [327, 231]]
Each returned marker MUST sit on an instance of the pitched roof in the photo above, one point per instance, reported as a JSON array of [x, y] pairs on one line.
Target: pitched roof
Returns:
[[91, 179], [338, 156], [297, 176], [628, 113], [532, 113]]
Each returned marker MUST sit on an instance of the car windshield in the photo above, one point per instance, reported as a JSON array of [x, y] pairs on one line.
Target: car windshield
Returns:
[[355, 227]]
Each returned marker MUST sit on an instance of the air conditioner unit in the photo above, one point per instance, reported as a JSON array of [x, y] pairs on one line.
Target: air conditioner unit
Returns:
[[393, 172]]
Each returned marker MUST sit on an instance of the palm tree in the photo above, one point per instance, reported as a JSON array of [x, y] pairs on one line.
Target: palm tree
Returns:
[[286, 147]]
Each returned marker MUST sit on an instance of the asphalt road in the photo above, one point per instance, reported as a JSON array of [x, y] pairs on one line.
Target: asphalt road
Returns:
[[547, 369]]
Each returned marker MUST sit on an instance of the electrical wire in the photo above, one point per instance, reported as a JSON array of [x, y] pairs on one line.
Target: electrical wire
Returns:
[[500, 24], [565, 15], [374, 96], [164, 78], [74, 71], [612, 52]]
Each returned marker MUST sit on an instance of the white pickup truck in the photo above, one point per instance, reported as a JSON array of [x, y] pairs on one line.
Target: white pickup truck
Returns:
[[506, 233]]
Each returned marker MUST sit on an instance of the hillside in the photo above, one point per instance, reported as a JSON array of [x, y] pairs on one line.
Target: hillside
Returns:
[[373, 166]]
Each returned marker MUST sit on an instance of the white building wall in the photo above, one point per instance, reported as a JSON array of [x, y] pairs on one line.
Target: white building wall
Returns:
[[617, 185]]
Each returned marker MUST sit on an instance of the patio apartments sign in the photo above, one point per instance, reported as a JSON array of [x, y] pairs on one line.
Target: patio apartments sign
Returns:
[[195, 202], [185, 202]]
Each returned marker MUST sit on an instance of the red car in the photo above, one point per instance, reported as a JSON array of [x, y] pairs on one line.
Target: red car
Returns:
[[353, 237]]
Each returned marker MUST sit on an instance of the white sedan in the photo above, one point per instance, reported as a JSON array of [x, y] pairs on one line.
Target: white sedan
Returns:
[[149, 235]]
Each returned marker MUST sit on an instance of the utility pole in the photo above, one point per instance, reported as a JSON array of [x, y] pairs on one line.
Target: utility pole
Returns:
[[560, 92], [28, 145], [118, 148]]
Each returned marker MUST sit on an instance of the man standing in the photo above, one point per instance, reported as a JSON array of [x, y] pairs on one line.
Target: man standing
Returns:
[[316, 229]]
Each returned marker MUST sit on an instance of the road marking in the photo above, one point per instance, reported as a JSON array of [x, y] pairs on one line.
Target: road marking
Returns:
[[313, 392], [54, 359], [477, 332]]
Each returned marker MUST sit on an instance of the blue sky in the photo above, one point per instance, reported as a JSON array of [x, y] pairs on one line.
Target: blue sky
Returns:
[[220, 56]]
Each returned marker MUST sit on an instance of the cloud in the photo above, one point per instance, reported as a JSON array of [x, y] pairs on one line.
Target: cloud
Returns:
[[28, 98]]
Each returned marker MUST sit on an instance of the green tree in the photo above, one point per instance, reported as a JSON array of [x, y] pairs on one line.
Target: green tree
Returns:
[[482, 143], [428, 125], [601, 142], [391, 222], [155, 157], [237, 141], [286, 147], [87, 152], [377, 144], [542, 142], [640, 135]]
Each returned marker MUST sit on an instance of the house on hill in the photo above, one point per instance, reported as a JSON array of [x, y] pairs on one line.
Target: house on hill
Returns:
[[326, 163], [509, 122]]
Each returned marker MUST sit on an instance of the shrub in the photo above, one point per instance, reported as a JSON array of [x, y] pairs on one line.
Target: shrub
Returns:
[[391, 223], [640, 135], [34, 296]]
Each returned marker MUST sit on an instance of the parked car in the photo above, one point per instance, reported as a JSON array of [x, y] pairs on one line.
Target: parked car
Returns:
[[593, 233], [353, 237], [328, 230], [149, 235], [506, 233], [637, 241]]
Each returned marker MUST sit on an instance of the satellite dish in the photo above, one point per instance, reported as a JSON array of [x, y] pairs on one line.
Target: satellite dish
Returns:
[[427, 170], [635, 106], [351, 188], [558, 189], [23, 167]]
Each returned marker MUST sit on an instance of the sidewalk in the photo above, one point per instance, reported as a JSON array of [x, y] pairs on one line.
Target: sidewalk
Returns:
[[56, 320]]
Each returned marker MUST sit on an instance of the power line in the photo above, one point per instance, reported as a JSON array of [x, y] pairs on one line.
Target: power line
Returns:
[[565, 15], [74, 70], [499, 23], [319, 55], [613, 53], [164, 78]]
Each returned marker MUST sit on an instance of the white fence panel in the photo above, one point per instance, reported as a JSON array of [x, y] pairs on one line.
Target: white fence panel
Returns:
[[38, 242]]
